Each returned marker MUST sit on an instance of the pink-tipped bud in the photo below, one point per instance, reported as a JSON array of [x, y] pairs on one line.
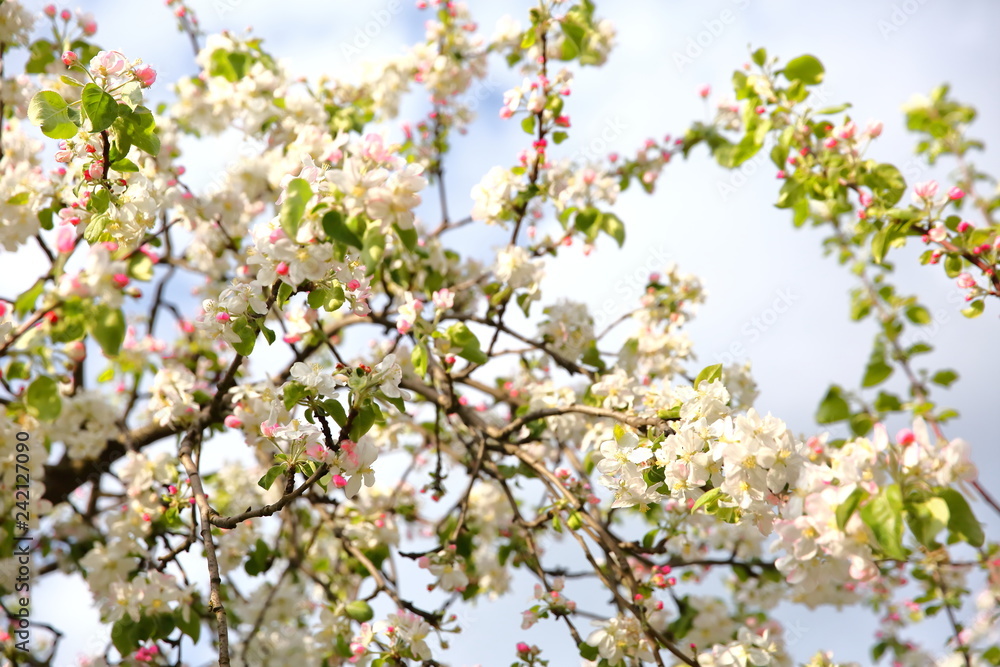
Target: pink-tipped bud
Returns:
[[705, 91], [955, 193], [232, 421], [964, 227], [281, 269], [65, 15], [424, 562], [780, 174], [353, 285], [966, 281], [905, 437], [146, 75], [339, 481], [172, 490], [50, 11], [69, 57], [523, 648], [222, 317], [120, 279], [76, 350]]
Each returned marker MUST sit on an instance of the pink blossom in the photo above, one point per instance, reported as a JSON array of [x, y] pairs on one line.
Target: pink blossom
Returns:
[[232, 421], [873, 128], [966, 281], [108, 63], [964, 226], [146, 75], [925, 190], [69, 57], [905, 437], [955, 193], [66, 239]]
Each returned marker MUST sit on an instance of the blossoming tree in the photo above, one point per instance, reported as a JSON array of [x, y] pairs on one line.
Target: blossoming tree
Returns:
[[456, 442]]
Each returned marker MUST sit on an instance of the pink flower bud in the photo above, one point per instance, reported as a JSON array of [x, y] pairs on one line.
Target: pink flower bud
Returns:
[[705, 91], [353, 285], [66, 239], [281, 269], [955, 193], [522, 647], [146, 75], [232, 421], [120, 279], [964, 227], [76, 350], [222, 317], [69, 57], [873, 128], [926, 190], [50, 11], [905, 437], [339, 481], [966, 281], [65, 15], [780, 174]]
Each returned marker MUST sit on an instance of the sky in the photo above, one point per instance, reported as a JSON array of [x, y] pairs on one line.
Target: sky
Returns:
[[719, 225]]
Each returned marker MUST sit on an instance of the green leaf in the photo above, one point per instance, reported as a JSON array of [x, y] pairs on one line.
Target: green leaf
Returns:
[[614, 228], [588, 652], [419, 360], [49, 111], [327, 298], [124, 635], [708, 374], [100, 107], [26, 301], [975, 309], [918, 315], [136, 127], [337, 230], [759, 57], [945, 377], [247, 334], [297, 195], [706, 498], [272, 473], [888, 184], [192, 626], [876, 372], [124, 165], [846, 509], [952, 265], [42, 53], [407, 236], [962, 523], [373, 246], [807, 69], [927, 519], [360, 611], [42, 399], [466, 342], [884, 515], [108, 328], [833, 407]]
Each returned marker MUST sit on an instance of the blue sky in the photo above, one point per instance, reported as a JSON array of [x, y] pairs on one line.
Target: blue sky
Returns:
[[715, 224]]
